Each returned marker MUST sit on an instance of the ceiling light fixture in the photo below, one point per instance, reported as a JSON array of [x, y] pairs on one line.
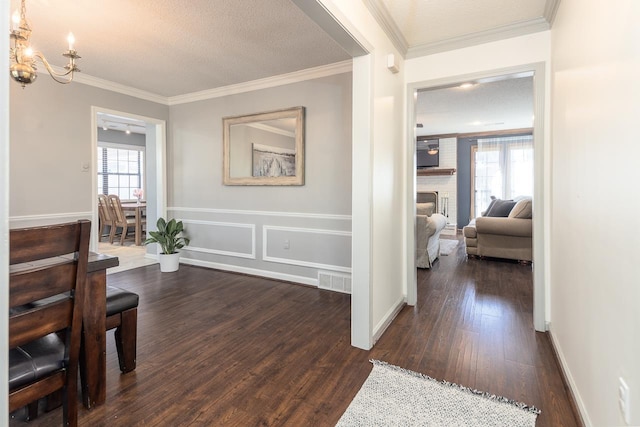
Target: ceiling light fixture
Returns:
[[128, 131], [23, 57], [433, 150]]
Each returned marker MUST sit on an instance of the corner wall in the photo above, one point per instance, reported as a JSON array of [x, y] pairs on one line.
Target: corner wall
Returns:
[[596, 267]]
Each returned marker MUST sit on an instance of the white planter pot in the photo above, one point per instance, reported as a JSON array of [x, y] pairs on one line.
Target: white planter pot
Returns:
[[169, 263]]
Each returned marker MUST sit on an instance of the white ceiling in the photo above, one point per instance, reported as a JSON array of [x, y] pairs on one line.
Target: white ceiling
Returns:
[[171, 48], [500, 103]]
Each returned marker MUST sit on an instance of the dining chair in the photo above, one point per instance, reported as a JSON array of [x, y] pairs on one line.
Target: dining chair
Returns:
[[48, 274], [105, 216], [121, 220]]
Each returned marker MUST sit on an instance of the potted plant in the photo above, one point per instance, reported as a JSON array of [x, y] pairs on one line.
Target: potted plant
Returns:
[[169, 240]]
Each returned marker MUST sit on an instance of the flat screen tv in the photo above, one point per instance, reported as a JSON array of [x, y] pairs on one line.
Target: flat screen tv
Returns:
[[423, 158]]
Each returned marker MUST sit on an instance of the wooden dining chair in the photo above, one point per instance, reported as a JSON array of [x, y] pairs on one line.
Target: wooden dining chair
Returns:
[[121, 220], [48, 274], [105, 216]]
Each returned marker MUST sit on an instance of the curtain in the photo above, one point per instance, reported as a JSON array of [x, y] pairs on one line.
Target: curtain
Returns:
[[503, 169]]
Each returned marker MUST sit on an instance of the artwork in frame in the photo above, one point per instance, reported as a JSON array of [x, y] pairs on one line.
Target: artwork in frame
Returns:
[[273, 161]]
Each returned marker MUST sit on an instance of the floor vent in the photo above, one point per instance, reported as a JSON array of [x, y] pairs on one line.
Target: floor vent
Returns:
[[334, 282]]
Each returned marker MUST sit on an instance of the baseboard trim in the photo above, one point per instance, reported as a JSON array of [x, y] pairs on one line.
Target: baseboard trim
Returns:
[[309, 281], [576, 403], [388, 318]]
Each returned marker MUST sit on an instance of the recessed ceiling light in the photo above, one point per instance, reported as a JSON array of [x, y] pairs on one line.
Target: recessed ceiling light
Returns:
[[466, 85]]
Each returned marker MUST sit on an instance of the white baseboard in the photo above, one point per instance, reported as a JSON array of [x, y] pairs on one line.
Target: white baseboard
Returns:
[[388, 318], [252, 271], [569, 379]]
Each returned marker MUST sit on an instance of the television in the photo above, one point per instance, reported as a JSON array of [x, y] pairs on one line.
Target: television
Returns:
[[423, 158]]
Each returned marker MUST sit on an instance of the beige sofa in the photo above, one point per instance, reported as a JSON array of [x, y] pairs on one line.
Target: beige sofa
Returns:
[[428, 228], [507, 237]]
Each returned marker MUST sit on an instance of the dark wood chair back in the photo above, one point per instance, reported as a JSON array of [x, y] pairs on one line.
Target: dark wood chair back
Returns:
[[48, 273]]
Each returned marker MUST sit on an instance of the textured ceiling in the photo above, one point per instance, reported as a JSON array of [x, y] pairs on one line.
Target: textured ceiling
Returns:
[[506, 103], [171, 48]]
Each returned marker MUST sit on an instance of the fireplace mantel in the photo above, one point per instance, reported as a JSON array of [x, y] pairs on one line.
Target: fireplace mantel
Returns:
[[435, 171]]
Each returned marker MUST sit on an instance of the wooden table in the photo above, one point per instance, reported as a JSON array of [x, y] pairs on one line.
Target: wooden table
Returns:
[[138, 208], [93, 357]]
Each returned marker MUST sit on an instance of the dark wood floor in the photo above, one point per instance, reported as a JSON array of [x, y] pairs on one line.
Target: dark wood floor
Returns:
[[216, 348]]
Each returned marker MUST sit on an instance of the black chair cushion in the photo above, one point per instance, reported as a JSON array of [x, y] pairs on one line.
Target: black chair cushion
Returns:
[[34, 360], [119, 300]]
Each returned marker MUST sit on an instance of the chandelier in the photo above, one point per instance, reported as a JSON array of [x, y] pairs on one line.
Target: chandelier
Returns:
[[23, 57]]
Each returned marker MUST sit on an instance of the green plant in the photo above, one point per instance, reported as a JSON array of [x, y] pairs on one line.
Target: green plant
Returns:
[[167, 236]]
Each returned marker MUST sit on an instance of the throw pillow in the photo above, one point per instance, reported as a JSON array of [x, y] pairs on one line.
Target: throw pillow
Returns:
[[425, 208], [522, 209], [501, 208], [493, 202]]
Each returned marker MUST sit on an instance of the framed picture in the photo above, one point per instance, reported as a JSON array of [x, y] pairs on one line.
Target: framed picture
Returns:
[[273, 161]]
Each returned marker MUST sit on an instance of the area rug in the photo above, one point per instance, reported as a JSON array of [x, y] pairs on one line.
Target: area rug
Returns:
[[447, 246], [393, 396]]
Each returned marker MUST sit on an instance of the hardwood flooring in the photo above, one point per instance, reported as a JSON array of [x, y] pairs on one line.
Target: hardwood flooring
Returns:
[[216, 348]]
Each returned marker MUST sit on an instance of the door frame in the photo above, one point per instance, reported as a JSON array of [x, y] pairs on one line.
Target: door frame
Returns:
[[158, 181], [541, 196]]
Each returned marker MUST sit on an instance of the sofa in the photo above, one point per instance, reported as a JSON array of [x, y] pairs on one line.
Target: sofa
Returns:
[[505, 230], [429, 225]]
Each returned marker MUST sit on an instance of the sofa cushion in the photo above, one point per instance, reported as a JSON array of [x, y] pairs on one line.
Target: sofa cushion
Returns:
[[501, 208], [522, 209], [425, 208]]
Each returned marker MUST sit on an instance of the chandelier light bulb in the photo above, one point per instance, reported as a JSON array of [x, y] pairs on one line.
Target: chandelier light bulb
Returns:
[[15, 19], [71, 40], [28, 52]]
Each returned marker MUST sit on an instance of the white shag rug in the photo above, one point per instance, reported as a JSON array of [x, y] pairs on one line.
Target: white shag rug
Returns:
[[393, 396], [447, 246]]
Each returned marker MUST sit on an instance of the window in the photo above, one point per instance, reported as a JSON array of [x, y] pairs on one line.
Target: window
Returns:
[[120, 169], [500, 167]]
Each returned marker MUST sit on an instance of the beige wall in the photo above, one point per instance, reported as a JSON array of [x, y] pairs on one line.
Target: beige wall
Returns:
[[594, 248]]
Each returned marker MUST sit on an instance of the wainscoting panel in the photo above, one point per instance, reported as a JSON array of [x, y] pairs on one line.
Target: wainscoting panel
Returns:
[[322, 249], [252, 242], [221, 238]]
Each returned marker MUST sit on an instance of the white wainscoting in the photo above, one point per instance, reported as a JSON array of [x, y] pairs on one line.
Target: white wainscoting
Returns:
[[47, 219], [229, 239], [313, 236], [242, 235]]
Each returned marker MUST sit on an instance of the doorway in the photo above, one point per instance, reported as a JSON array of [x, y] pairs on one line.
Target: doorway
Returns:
[[150, 135], [540, 183]]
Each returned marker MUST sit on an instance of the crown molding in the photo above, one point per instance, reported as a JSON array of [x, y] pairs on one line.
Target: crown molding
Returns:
[[550, 10], [283, 79], [268, 82], [494, 34], [389, 26], [114, 87]]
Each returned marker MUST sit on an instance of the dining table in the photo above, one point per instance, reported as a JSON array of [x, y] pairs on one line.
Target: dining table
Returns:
[[139, 209]]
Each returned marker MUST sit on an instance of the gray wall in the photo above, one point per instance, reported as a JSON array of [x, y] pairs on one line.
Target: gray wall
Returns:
[[51, 141], [247, 228]]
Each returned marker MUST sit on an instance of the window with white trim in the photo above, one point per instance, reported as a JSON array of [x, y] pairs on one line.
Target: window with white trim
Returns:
[[120, 169]]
